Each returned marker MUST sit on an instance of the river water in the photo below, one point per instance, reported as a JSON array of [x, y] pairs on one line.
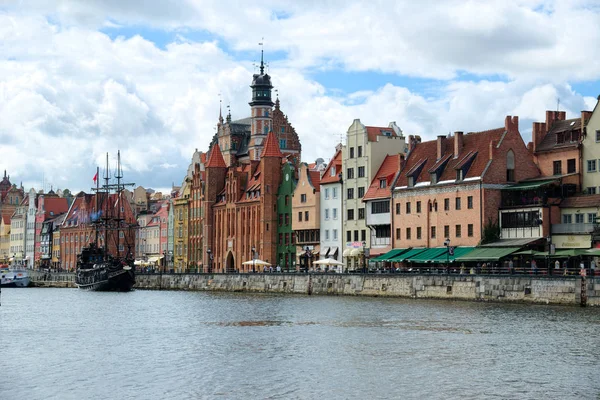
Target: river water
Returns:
[[71, 344]]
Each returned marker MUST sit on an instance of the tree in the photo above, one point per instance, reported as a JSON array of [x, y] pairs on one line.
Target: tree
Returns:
[[491, 232]]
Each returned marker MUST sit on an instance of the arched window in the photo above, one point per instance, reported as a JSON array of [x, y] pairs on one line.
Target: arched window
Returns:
[[510, 166]]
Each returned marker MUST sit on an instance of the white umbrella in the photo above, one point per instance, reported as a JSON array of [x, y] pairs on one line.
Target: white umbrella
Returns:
[[255, 262], [328, 261]]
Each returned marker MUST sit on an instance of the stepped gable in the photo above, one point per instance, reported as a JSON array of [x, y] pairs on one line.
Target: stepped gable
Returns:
[[475, 149], [387, 171], [215, 159], [271, 148]]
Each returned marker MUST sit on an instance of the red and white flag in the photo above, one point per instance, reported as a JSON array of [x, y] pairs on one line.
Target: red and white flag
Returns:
[[96, 177]]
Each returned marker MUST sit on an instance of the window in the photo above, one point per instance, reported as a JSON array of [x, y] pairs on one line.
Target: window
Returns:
[[411, 181], [458, 203], [407, 233], [335, 234], [327, 213], [591, 190], [591, 166], [359, 151], [418, 207], [446, 204], [446, 231], [380, 207], [398, 208], [351, 152], [470, 202], [335, 213], [433, 232], [327, 194], [334, 193], [418, 232], [350, 212], [300, 216], [520, 219], [326, 234], [282, 143], [356, 236], [598, 136], [361, 192], [408, 207], [361, 213], [287, 219], [579, 218], [306, 215], [567, 218], [350, 193], [361, 172], [348, 236], [280, 219], [283, 129], [287, 200], [303, 198], [557, 167], [571, 166], [458, 230], [510, 166], [363, 235], [398, 233], [350, 173], [591, 218], [470, 230]]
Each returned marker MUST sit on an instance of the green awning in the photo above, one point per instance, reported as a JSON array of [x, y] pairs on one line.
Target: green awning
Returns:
[[389, 255], [530, 185], [458, 252], [408, 254], [428, 255], [487, 254], [564, 253]]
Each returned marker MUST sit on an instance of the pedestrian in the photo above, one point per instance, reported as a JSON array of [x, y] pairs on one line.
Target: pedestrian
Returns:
[[278, 269], [478, 268], [593, 267], [462, 268], [270, 269], [511, 267], [534, 267]]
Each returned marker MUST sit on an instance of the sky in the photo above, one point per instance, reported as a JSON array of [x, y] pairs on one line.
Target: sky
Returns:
[[80, 79]]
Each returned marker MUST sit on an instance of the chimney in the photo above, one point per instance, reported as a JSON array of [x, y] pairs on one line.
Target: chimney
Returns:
[[418, 138], [492, 148], [401, 161], [441, 146], [458, 143], [538, 133], [562, 115], [585, 117], [412, 142], [511, 123]]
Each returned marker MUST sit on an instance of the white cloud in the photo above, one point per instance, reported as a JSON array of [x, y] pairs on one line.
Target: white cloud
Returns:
[[69, 93]]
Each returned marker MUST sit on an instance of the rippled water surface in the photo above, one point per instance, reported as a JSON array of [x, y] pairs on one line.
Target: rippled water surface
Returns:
[[71, 344]]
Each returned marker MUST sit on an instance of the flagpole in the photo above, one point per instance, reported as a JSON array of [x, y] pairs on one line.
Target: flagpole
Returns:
[[97, 211]]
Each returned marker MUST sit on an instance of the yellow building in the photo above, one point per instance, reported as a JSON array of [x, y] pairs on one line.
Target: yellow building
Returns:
[[4, 239], [55, 260], [181, 225], [591, 151]]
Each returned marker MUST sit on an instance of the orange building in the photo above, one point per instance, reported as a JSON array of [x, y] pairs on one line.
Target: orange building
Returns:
[[450, 188], [306, 217]]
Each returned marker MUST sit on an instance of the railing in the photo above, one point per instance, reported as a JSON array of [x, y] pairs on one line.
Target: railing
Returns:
[[574, 228]]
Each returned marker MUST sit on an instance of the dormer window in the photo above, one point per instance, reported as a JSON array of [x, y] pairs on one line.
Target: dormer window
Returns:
[[434, 178], [560, 137], [382, 183], [411, 181], [332, 171], [459, 175]]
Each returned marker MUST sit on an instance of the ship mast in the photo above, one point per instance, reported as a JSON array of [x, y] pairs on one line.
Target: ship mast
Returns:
[[96, 210], [118, 175], [106, 211]]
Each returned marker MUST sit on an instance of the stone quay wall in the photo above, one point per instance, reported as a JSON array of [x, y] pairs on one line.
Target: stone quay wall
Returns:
[[496, 288]]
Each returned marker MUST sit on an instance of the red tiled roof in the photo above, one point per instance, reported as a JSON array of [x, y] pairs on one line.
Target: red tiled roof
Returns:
[[387, 171], [374, 131], [6, 219], [336, 162], [315, 179], [473, 142], [588, 200], [216, 158], [55, 205], [271, 148]]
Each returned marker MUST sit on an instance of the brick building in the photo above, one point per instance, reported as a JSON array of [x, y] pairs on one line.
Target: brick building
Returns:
[[450, 187]]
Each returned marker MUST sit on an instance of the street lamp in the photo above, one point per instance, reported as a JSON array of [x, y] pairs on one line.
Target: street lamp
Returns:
[[447, 244], [164, 259], [253, 259], [364, 245], [210, 258]]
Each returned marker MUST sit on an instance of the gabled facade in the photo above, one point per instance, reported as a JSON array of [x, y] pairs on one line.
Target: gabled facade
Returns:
[[10, 196], [591, 151], [48, 236], [170, 235], [30, 228], [196, 213], [331, 220], [286, 249], [5, 239], [306, 217], [49, 206], [450, 188], [181, 228], [366, 148], [18, 231], [377, 203]]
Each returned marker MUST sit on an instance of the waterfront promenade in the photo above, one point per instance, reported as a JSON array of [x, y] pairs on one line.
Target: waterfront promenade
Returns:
[[567, 290]]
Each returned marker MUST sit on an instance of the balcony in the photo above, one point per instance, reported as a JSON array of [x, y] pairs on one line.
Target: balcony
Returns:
[[574, 228]]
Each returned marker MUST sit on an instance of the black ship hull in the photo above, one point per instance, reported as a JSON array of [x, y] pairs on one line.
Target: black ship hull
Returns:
[[105, 279]]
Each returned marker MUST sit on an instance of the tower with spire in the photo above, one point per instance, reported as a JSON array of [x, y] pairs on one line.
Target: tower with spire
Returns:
[[262, 109]]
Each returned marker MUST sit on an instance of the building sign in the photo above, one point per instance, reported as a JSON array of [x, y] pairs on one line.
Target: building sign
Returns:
[[572, 241], [354, 245]]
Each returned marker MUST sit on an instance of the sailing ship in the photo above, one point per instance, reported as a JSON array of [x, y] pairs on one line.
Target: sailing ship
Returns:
[[100, 266]]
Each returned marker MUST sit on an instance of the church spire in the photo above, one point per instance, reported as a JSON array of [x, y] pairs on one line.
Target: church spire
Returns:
[[262, 64], [220, 113]]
